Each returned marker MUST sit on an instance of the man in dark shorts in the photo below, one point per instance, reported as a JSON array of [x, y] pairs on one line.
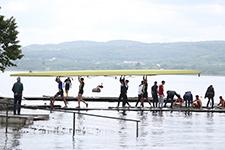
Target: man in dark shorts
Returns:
[[145, 92], [80, 92], [123, 92], [68, 84], [59, 93], [188, 98], [155, 94]]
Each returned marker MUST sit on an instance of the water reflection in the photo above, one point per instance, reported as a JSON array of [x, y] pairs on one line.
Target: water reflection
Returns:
[[6, 141], [16, 140], [210, 116], [188, 114], [81, 124], [10, 140], [157, 130]]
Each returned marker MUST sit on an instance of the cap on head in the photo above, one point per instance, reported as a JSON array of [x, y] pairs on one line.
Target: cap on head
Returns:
[[18, 79]]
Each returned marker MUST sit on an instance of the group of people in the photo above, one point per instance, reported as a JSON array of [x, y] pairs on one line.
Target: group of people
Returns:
[[157, 92], [159, 99], [68, 84]]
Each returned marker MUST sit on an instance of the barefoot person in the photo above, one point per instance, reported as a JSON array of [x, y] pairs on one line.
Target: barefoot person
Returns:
[[140, 93], [179, 101], [68, 84], [123, 92], [222, 102], [59, 93], [145, 92], [161, 94], [80, 92], [197, 103], [154, 91]]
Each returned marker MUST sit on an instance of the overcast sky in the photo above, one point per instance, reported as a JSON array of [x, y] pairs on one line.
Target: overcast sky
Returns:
[[56, 21]]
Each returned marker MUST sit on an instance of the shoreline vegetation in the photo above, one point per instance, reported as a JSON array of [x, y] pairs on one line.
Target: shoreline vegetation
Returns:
[[206, 56]]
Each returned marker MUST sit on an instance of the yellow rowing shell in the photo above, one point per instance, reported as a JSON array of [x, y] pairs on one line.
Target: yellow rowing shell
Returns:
[[106, 73]]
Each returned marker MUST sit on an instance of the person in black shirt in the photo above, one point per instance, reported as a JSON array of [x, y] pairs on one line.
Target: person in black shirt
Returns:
[[18, 92], [80, 92], [123, 92], [68, 84], [170, 96], [210, 93], [145, 91], [154, 90]]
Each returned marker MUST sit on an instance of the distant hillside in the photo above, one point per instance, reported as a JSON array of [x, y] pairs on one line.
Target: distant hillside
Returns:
[[206, 56]]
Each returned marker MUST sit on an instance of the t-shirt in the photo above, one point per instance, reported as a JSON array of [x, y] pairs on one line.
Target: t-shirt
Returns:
[[161, 90], [18, 88], [60, 85], [140, 89]]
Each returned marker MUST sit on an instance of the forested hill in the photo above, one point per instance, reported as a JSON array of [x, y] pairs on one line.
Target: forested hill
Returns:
[[208, 56]]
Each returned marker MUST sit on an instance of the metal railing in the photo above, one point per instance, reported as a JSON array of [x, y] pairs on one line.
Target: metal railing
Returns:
[[101, 116], [74, 117]]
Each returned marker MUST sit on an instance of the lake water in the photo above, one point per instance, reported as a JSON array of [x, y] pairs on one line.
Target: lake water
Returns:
[[161, 131]]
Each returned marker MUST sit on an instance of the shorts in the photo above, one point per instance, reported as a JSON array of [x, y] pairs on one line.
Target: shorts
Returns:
[[81, 92], [60, 92], [67, 87], [139, 96], [145, 95], [155, 98]]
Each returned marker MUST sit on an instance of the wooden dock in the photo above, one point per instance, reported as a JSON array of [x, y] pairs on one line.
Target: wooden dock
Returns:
[[215, 110], [23, 119], [90, 99], [167, 109]]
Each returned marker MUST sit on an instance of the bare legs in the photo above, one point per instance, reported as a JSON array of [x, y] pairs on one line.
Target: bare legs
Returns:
[[79, 99], [52, 100]]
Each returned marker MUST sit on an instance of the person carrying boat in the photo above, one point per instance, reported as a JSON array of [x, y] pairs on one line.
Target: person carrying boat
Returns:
[[80, 92], [123, 92], [145, 92], [188, 98], [18, 92], [197, 103], [59, 93], [140, 93], [170, 96], [210, 93], [161, 94], [154, 90], [222, 102], [68, 84]]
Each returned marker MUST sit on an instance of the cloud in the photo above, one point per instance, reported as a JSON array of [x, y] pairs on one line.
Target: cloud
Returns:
[[52, 21], [16, 7]]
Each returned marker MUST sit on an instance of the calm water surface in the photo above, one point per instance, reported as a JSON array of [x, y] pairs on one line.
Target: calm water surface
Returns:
[[176, 130]]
